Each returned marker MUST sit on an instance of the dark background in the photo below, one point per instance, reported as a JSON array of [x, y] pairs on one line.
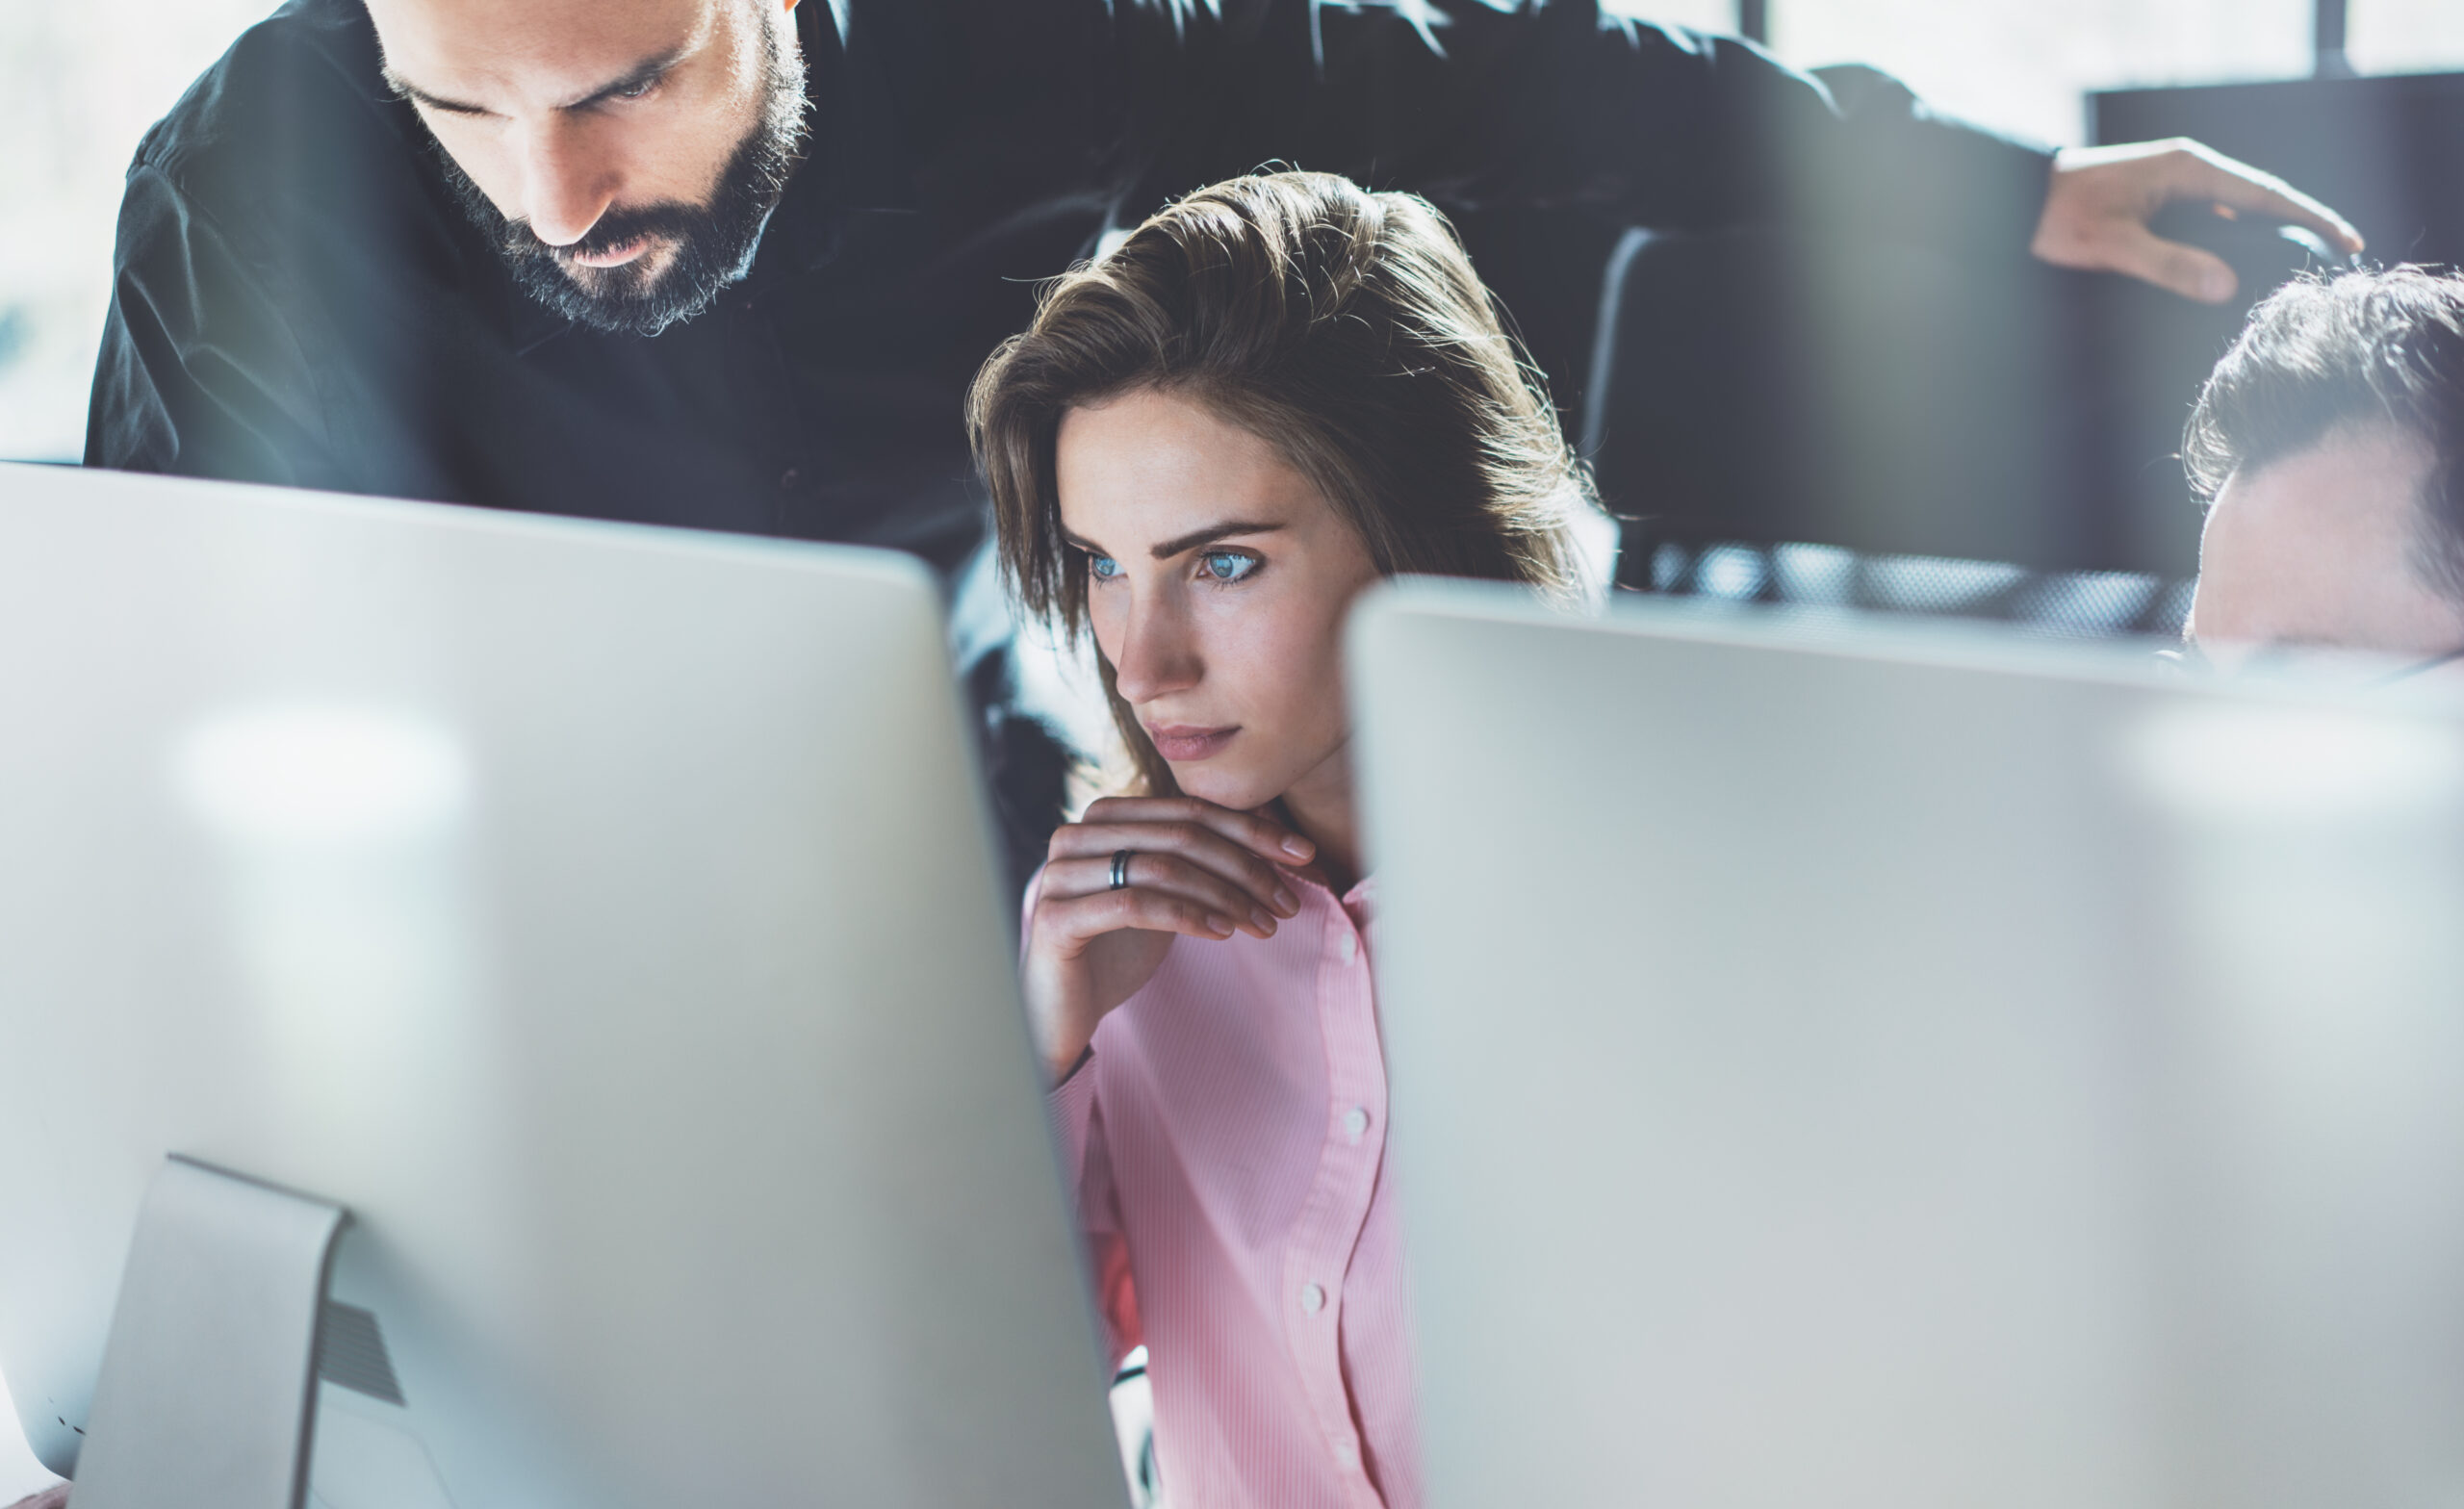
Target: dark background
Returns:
[[1800, 387]]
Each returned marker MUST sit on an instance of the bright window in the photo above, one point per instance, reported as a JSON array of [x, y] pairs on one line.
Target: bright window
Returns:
[[2404, 35], [79, 84], [1703, 15], [2027, 67]]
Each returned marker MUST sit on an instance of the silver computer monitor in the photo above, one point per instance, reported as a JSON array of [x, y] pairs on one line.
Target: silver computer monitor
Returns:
[[605, 918], [1867, 1067]]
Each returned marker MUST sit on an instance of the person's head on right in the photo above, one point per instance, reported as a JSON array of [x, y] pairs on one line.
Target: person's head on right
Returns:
[[1273, 394], [2330, 445], [621, 155]]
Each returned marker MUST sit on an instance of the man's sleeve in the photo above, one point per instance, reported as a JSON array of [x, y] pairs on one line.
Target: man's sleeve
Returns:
[[1493, 104], [200, 373]]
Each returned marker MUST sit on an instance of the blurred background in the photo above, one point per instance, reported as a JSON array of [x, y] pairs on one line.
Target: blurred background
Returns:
[[1796, 417], [79, 84]]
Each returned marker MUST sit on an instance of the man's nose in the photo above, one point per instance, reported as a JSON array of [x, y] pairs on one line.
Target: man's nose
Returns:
[[567, 185], [1155, 655]]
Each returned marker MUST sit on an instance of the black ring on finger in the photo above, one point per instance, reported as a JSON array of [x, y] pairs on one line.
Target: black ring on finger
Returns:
[[1121, 868]]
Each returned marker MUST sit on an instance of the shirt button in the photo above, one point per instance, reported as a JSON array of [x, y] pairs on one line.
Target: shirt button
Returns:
[[788, 478], [1312, 1298], [1348, 1454], [1349, 947], [1355, 1122]]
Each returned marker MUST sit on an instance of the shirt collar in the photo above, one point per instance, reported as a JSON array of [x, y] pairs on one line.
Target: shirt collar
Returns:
[[1362, 898]]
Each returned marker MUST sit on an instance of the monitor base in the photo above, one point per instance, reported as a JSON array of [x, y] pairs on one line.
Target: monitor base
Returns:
[[207, 1393]]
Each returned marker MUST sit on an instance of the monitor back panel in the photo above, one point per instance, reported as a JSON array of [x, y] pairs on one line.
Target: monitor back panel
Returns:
[[606, 917], [1871, 1069]]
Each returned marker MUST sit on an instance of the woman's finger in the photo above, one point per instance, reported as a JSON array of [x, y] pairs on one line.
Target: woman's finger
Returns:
[[1065, 879], [1083, 919], [1261, 835], [1195, 842]]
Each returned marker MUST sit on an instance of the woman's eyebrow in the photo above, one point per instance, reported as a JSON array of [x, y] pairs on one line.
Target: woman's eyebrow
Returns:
[[1199, 538], [1089, 546]]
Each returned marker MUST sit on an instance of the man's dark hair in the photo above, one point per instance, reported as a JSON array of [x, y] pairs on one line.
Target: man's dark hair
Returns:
[[2323, 353]]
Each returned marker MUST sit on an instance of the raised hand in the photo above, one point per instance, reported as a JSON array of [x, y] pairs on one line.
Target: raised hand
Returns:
[[2099, 202], [1122, 881]]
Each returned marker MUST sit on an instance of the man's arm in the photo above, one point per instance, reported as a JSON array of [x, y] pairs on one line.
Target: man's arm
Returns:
[[199, 374], [1491, 103]]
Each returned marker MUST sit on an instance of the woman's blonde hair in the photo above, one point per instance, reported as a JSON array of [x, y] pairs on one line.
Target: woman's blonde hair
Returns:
[[1346, 328]]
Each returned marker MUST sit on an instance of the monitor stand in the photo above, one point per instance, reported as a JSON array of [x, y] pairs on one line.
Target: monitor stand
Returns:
[[207, 1393]]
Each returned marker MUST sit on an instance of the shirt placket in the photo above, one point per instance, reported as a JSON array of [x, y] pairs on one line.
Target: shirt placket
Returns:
[[1320, 1255]]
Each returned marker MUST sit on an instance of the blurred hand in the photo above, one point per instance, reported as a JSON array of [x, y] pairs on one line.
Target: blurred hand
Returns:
[[1195, 868], [55, 1496], [2096, 212]]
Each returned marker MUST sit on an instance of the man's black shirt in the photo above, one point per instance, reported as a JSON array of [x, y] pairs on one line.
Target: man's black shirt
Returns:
[[299, 300]]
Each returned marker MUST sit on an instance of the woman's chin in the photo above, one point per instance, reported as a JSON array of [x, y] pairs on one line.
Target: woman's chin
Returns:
[[1224, 787]]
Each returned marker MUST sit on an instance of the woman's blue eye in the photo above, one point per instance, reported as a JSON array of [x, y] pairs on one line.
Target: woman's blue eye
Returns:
[[1103, 567], [1227, 565]]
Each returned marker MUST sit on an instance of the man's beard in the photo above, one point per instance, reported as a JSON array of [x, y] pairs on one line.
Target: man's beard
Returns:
[[707, 245]]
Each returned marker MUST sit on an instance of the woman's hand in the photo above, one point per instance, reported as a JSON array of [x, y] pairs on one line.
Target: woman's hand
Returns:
[[1192, 868]]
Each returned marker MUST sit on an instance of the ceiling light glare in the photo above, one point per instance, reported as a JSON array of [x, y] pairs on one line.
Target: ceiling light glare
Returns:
[[316, 774], [2244, 762]]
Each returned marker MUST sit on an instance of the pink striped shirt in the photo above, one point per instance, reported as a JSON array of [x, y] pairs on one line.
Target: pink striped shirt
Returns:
[[1226, 1141]]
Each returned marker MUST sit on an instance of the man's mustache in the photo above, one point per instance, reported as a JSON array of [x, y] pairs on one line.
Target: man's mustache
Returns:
[[614, 229]]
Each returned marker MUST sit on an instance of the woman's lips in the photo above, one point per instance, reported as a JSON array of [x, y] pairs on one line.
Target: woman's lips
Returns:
[[1181, 743]]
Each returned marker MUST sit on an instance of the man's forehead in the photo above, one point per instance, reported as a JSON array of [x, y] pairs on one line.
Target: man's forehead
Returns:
[[2317, 547], [530, 52], [2356, 493]]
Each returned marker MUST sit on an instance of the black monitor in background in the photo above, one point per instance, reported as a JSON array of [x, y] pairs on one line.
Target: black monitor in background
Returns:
[[1765, 388]]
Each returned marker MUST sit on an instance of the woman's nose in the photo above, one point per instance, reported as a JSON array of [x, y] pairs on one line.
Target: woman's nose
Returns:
[[1154, 655]]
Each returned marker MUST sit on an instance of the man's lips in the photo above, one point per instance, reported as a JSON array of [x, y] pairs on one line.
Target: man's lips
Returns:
[[1181, 742], [612, 257]]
